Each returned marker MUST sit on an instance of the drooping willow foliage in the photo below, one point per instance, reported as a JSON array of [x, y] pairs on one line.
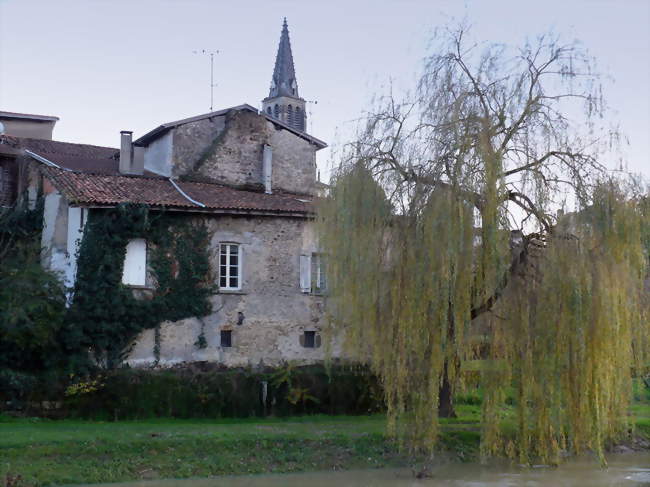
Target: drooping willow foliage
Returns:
[[564, 339], [573, 329], [401, 292], [443, 246]]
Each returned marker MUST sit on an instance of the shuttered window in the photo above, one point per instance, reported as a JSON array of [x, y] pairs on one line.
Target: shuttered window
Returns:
[[312, 273], [305, 273], [135, 263]]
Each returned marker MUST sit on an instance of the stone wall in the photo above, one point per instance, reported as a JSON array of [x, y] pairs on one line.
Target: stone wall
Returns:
[[228, 149], [8, 181], [276, 313]]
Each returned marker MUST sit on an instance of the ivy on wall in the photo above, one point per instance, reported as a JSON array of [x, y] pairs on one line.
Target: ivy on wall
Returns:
[[31, 298], [106, 316]]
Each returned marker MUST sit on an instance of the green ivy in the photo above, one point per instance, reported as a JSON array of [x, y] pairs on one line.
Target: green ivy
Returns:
[[106, 316], [32, 306]]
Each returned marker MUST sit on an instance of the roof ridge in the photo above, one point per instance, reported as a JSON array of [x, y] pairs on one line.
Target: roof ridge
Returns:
[[144, 139], [33, 116], [50, 141]]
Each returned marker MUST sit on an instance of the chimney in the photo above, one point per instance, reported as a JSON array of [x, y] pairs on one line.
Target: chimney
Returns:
[[267, 168], [131, 158], [126, 151], [138, 160]]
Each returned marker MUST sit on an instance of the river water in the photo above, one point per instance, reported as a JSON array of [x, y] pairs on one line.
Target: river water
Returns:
[[628, 470]]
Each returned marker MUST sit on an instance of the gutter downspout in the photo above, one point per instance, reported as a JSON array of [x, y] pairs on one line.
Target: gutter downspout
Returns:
[[185, 195]]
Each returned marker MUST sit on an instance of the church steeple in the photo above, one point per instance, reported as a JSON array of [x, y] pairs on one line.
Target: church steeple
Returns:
[[283, 82], [283, 101]]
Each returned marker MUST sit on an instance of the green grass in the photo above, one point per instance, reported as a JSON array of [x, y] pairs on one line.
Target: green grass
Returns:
[[641, 411], [46, 452]]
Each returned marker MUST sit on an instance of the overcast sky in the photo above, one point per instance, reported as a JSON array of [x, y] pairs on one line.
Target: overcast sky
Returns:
[[106, 66]]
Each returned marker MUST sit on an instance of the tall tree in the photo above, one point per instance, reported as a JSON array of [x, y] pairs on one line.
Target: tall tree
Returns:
[[444, 246]]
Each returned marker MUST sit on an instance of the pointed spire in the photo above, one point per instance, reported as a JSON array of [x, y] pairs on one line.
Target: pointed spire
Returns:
[[284, 74]]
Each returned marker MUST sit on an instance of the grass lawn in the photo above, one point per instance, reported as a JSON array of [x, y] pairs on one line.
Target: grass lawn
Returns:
[[45, 452]]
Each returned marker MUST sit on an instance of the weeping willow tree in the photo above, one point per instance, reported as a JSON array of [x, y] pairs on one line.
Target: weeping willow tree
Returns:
[[444, 245]]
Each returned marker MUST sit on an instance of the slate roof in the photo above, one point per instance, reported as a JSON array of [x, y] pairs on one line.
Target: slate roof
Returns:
[[109, 190], [284, 81]]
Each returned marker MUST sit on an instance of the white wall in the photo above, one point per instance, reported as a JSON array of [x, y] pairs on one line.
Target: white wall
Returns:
[[158, 155], [76, 221]]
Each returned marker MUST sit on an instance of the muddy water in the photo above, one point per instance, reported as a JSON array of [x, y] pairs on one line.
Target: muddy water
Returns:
[[629, 470]]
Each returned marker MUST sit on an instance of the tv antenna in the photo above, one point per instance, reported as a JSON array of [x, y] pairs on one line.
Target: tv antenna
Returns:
[[311, 103], [212, 85]]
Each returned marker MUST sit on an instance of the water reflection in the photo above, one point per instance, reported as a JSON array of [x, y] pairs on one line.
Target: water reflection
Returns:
[[630, 470]]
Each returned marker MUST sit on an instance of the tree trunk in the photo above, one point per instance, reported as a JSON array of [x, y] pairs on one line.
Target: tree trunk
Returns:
[[446, 397]]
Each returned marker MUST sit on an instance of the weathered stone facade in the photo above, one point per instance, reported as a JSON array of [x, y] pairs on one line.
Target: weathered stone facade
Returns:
[[275, 313], [227, 148], [267, 318]]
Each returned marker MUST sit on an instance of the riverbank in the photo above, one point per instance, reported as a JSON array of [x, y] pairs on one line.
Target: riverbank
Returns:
[[36, 452]]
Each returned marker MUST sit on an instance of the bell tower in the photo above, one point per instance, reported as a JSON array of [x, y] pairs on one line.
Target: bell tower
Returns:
[[283, 101]]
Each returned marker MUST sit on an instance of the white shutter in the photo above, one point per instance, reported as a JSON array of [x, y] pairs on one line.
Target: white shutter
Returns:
[[135, 263], [76, 221], [305, 273]]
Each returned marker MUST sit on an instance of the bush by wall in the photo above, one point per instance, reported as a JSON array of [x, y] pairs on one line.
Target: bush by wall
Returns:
[[205, 391]]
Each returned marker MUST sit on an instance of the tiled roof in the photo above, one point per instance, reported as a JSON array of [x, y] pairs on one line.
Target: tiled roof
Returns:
[[109, 190], [77, 157], [89, 175]]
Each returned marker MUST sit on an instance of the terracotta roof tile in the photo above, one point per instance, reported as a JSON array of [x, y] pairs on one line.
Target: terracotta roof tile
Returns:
[[78, 157], [108, 190]]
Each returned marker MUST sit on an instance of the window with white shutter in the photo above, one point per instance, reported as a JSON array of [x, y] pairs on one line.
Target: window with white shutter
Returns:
[[135, 263], [305, 273], [312, 273]]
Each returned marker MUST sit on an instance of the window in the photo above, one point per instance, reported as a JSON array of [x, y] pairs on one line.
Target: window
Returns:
[[276, 111], [226, 338], [230, 266], [299, 120], [317, 274], [135, 263], [290, 115], [268, 110], [310, 339], [312, 273]]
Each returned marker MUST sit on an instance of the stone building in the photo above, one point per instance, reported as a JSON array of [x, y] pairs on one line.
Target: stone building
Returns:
[[249, 175]]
